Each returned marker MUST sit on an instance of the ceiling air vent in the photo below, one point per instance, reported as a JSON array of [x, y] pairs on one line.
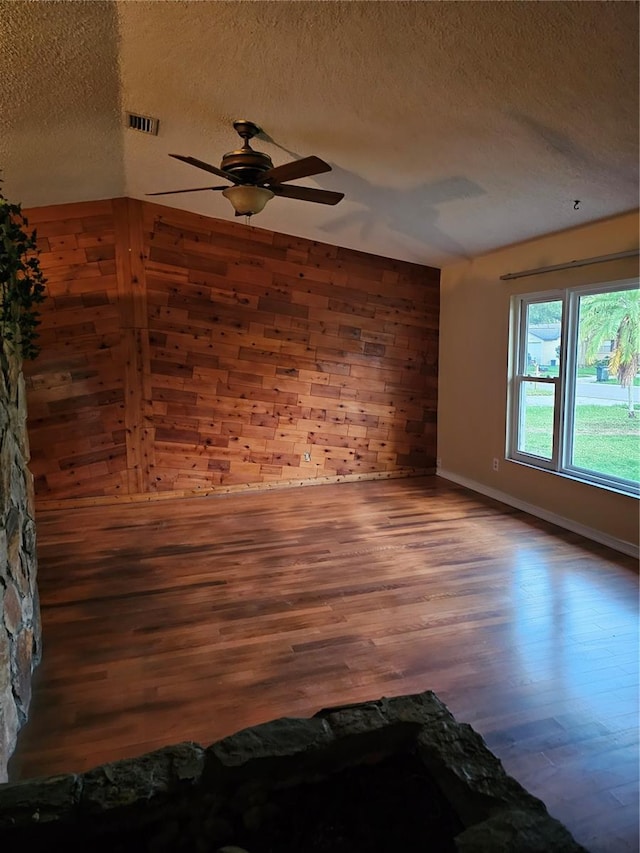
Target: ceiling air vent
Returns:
[[145, 124]]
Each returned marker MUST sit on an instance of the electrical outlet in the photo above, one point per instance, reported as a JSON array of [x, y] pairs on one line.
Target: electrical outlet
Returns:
[[496, 463], [307, 457]]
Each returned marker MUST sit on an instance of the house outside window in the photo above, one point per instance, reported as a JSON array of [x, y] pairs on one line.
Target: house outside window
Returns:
[[574, 390]]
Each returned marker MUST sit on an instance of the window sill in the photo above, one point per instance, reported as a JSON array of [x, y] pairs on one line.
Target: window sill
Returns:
[[576, 478]]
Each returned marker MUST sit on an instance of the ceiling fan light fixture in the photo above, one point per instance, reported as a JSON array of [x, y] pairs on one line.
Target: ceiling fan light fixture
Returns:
[[247, 200]]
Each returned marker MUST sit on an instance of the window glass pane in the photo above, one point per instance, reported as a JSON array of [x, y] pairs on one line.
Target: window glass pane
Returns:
[[606, 415], [606, 441], [535, 432], [544, 321]]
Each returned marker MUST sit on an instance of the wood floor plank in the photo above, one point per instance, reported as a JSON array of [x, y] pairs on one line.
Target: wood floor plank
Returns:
[[189, 619]]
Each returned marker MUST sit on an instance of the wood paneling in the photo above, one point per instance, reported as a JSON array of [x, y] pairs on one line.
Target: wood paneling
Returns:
[[76, 387], [184, 354], [190, 619]]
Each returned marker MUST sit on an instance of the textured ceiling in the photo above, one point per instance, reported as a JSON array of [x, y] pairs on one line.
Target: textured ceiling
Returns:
[[452, 127]]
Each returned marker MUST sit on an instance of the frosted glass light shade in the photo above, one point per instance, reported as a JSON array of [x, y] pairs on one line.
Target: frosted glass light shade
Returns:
[[247, 200]]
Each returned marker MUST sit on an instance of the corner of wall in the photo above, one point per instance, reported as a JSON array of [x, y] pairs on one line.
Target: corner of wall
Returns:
[[474, 372]]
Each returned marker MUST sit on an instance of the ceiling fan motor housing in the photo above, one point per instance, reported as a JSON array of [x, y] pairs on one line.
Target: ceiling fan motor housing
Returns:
[[246, 164]]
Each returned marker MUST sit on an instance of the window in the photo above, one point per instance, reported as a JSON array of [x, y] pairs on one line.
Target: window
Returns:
[[574, 393]]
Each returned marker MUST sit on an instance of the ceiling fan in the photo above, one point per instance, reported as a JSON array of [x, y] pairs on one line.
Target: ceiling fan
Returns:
[[254, 178]]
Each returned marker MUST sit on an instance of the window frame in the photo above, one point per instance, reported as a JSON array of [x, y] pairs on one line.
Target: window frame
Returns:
[[564, 384]]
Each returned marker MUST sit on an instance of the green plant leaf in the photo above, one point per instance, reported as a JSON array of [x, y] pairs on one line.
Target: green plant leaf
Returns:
[[22, 282]]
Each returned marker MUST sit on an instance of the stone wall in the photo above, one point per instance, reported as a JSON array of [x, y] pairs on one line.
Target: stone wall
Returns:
[[19, 610]]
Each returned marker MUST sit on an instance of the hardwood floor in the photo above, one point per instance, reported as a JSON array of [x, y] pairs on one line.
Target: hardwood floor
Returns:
[[188, 620]]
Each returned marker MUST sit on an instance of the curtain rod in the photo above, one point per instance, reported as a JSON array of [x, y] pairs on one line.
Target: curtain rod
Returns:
[[570, 264]]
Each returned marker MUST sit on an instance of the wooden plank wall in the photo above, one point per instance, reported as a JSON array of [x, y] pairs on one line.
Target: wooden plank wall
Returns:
[[75, 388], [183, 354]]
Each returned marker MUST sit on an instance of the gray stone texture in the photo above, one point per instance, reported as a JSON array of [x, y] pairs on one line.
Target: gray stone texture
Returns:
[[187, 798], [130, 781], [20, 638]]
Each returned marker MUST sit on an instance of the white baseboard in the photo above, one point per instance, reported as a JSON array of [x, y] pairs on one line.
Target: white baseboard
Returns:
[[622, 545]]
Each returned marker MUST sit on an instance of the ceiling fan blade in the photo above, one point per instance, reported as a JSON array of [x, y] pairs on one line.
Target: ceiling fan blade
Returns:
[[296, 169], [194, 190], [200, 164], [307, 194]]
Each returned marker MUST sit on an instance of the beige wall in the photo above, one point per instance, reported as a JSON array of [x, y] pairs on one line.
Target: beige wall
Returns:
[[473, 378]]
